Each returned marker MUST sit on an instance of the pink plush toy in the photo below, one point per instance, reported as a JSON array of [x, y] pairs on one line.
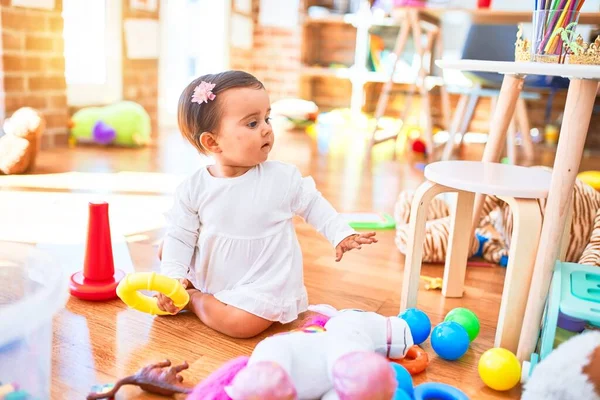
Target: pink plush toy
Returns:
[[348, 360]]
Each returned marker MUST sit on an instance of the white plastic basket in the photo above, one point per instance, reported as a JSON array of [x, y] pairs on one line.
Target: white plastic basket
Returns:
[[33, 288]]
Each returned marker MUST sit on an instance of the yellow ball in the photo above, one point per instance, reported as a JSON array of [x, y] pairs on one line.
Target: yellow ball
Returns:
[[499, 369]]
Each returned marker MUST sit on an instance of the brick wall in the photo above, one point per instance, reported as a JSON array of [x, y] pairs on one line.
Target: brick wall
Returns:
[[140, 77], [274, 57], [33, 66]]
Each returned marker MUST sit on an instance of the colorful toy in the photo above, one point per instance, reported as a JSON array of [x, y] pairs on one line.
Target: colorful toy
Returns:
[[297, 112], [370, 220], [99, 279], [127, 290], [319, 364], [467, 319], [153, 378], [418, 322], [432, 283], [570, 372], [12, 391], [591, 178], [493, 235], [416, 360], [450, 340], [499, 369], [125, 123], [424, 391], [20, 141], [573, 293]]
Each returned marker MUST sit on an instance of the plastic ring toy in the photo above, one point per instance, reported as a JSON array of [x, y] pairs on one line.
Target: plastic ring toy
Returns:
[[127, 290], [440, 391], [416, 360]]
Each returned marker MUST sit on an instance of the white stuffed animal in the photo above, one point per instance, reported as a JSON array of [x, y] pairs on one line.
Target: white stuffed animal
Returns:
[[570, 372], [348, 359]]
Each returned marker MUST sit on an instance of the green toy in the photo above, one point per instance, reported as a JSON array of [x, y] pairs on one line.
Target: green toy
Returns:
[[370, 220], [467, 319], [125, 123]]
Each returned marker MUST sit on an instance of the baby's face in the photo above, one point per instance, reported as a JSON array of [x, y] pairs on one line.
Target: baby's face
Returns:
[[245, 135]]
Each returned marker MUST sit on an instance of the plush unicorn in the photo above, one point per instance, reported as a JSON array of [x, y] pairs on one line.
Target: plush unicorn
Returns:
[[347, 359]]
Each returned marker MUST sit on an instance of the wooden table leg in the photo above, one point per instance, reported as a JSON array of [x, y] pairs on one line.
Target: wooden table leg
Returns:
[[505, 109], [576, 121]]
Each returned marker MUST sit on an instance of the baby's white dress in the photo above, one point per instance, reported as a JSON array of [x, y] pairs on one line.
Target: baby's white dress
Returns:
[[234, 238]]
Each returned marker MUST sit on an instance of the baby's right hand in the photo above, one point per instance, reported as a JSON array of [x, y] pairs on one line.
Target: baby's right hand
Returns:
[[164, 303]]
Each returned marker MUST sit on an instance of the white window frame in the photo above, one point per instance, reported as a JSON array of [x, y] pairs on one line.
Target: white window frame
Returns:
[[178, 42], [112, 90]]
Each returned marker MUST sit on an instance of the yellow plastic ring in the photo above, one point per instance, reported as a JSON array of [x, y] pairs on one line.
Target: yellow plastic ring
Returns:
[[127, 290]]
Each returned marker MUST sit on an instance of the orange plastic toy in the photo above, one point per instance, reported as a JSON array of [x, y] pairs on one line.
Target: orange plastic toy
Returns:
[[416, 360]]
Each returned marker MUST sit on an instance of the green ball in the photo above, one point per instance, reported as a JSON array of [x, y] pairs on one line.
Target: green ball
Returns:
[[465, 318]]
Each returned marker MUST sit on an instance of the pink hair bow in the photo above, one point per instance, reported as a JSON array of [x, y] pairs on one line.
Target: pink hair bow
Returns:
[[203, 93]]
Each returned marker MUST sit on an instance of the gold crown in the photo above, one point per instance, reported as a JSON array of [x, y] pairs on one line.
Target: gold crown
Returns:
[[522, 51], [581, 52]]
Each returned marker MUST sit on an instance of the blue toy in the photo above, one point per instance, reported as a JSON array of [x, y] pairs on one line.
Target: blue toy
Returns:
[[419, 324], [405, 383], [450, 340], [424, 391], [438, 391], [401, 395]]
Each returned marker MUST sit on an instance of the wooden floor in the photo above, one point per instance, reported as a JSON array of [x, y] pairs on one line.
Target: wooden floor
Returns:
[[101, 342]]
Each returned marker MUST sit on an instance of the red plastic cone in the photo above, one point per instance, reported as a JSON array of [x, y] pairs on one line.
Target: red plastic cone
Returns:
[[99, 279]]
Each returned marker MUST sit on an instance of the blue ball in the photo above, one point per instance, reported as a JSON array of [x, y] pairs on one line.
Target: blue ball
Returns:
[[400, 394], [405, 383], [450, 340], [418, 322]]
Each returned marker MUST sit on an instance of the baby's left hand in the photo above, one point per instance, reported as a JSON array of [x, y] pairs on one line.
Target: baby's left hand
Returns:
[[354, 242]]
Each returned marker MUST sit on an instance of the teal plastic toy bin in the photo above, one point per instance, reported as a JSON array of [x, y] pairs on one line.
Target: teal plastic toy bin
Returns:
[[33, 289], [575, 292]]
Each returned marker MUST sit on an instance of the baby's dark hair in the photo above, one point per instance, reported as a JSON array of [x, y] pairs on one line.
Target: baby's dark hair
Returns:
[[194, 118]]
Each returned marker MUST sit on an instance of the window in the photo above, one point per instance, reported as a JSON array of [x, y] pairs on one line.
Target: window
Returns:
[[92, 34], [194, 41]]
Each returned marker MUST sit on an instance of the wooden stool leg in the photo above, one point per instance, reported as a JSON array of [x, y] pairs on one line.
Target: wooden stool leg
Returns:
[[458, 246], [527, 226], [414, 249]]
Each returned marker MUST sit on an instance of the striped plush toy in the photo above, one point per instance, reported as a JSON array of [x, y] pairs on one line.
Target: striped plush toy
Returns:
[[495, 228]]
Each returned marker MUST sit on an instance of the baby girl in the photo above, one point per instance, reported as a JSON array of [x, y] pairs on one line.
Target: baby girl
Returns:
[[230, 237]]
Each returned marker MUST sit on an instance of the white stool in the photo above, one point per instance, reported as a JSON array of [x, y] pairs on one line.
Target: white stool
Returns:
[[521, 188]]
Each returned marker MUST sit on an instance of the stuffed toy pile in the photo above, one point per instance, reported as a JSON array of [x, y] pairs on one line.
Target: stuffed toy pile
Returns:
[[347, 359], [492, 241], [20, 141]]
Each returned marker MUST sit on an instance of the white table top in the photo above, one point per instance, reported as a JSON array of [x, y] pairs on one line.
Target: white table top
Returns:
[[524, 68], [491, 178]]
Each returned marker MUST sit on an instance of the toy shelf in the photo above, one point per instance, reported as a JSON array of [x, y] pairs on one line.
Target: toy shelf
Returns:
[[336, 47]]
